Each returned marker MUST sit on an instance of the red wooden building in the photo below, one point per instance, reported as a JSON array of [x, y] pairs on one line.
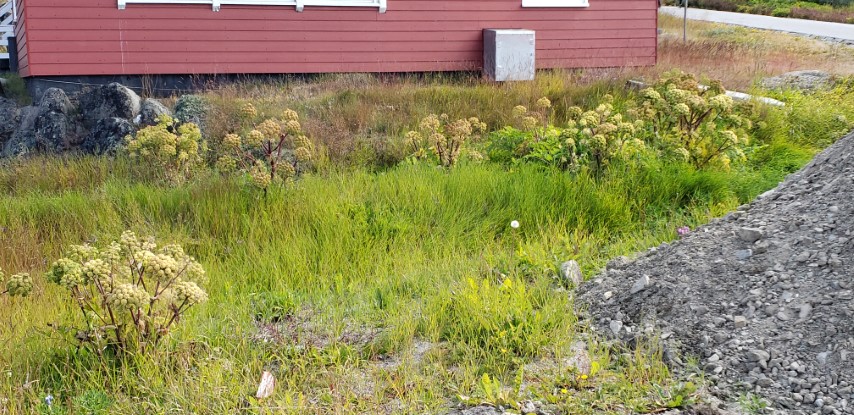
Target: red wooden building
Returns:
[[148, 37]]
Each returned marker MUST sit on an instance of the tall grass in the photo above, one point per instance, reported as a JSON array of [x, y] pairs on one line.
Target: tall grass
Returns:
[[363, 264]]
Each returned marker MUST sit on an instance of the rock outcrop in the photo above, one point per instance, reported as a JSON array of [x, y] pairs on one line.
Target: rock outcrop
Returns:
[[801, 80], [95, 122], [48, 127]]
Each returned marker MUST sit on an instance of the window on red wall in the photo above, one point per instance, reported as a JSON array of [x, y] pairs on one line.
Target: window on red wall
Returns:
[[299, 4], [555, 3]]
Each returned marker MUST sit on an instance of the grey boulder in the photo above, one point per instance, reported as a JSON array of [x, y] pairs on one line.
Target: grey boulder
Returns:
[[48, 127], [55, 99], [107, 135], [150, 110], [109, 101]]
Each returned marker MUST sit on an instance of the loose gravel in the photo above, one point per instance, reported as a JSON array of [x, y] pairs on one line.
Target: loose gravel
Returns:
[[763, 297]]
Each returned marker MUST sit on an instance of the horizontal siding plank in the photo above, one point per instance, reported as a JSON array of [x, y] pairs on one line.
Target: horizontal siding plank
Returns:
[[604, 21], [594, 31], [179, 68], [250, 67], [212, 46], [319, 57]]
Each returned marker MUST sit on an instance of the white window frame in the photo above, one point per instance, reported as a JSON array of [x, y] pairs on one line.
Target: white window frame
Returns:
[[299, 4], [555, 3]]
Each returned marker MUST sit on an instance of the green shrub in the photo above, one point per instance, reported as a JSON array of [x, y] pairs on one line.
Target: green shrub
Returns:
[[697, 124], [178, 149], [590, 139], [275, 149], [129, 293], [781, 12], [677, 118], [191, 109]]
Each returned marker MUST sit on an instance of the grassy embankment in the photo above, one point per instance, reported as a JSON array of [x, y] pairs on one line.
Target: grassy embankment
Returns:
[[838, 11]]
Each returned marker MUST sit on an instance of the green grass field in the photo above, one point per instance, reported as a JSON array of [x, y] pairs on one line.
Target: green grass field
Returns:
[[372, 289]]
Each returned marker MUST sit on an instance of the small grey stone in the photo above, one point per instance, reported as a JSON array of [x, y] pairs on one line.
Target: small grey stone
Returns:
[[640, 284], [757, 355], [570, 272], [528, 407], [802, 257], [740, 321], [749, 234], [743, 254], [804, 311], [615, 326]]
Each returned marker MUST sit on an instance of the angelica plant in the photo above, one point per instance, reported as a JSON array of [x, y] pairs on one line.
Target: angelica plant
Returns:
[[538, 119], [130, 293], [175, 147], [602, 134], [443, 137], [696, 123], [18, 285], [274, 149]]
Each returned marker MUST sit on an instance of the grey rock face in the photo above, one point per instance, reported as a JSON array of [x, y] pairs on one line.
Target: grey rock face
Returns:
[[809, 80], [10, 117], [48, 127], [108, 135], [150, 110], [109, 101], [764, 296]]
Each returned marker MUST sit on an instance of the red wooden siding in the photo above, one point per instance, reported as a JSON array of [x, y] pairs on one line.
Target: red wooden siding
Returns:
[[21, 36], [93, 37]]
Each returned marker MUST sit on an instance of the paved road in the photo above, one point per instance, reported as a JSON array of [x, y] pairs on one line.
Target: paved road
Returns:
[[841, 31]]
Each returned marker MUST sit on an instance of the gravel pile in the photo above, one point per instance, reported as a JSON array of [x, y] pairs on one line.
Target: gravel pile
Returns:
[[764, 296]]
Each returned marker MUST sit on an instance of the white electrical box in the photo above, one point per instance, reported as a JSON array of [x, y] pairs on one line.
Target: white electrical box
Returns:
[[509, 54]]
